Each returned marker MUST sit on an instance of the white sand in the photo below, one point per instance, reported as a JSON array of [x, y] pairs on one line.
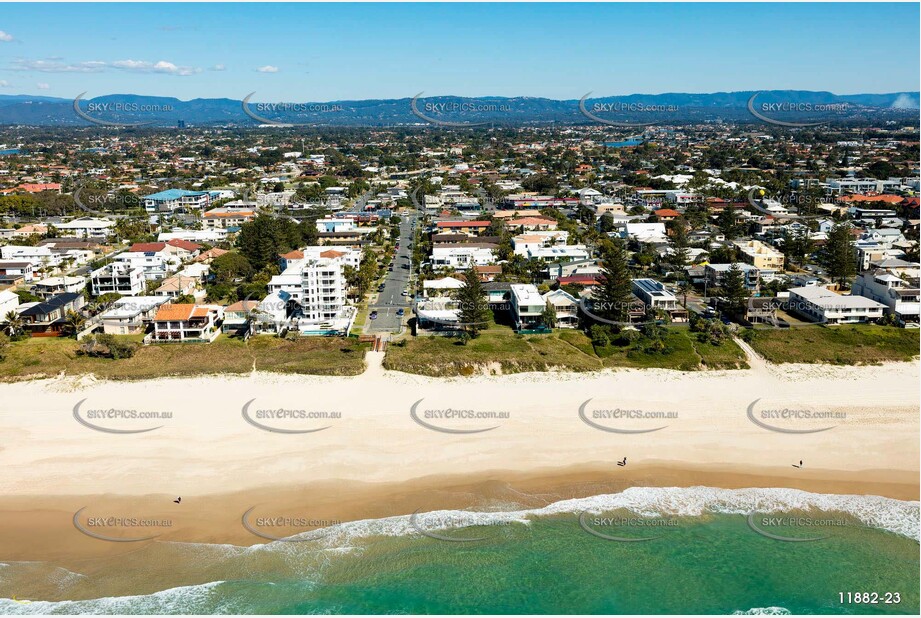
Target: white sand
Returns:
[[207, 447]]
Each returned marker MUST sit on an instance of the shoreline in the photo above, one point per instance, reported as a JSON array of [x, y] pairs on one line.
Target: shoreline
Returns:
[[42, 528]]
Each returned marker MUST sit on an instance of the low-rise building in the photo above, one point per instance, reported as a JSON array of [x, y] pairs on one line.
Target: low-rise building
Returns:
[[227, 217], [48, 318], [86, 227], [187, 323], [52, 286], [176, 199], [12, 271], [8, 302], [118, 278], [760, 255], [822, 305], [462, 257], [900, 295], [130, 315], [566, 307], [715, 274], [527, 306]]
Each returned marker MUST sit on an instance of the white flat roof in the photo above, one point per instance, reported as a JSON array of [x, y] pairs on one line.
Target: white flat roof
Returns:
[[825, 298]]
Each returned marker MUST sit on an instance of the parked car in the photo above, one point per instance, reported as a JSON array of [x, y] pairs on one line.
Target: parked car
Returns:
[[400, 311], [373, 315]]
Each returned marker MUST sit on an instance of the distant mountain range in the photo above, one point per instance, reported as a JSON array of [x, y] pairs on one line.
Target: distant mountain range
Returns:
[[785, 105]]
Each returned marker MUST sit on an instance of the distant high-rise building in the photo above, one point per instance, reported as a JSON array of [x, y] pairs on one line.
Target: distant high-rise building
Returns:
[[180, 124]]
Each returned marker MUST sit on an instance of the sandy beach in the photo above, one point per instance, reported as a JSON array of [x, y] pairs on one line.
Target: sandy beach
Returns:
[[381, 444]]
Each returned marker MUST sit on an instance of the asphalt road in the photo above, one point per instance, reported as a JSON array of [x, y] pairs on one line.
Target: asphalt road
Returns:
[[390, 299]]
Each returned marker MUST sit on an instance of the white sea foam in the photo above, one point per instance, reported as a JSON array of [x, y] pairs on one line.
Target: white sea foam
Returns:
[[763, 611], [897, 516], [182, 600]]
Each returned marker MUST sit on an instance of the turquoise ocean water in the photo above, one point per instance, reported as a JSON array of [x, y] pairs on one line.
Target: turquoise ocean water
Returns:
[[642, 551]]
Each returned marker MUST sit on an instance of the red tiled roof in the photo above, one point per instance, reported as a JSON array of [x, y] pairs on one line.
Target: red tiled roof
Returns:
[[667, 212], [184, 244], [147, 247], [579, 279], [462, 224], [292, 255]]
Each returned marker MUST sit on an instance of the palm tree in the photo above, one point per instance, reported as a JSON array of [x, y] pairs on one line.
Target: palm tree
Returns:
[[73, 322], [14, 323]]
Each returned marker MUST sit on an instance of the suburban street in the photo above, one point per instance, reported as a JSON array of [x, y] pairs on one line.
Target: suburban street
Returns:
[[391, 299]]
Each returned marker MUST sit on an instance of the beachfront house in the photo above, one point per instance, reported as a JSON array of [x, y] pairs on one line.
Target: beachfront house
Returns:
[[566, 306], [130, 315], [187, 323]]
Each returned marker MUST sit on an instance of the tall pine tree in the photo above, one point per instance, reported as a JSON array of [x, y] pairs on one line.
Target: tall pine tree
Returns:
[[612, 298]]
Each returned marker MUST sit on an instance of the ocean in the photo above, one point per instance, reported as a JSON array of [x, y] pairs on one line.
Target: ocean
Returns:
[[645, 550]]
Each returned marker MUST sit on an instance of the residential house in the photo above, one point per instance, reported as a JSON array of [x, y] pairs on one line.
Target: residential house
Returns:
[[15, 271], [179, 285], [566, 306], [762, 309], [656, 297], [527, 306], [8, 302], [187, 323], [52, 286], [130, 315], [48, 318], [716, 273], [462, 257]]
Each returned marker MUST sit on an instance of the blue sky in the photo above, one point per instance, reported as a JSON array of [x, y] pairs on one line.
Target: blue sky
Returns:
[[321, 52]]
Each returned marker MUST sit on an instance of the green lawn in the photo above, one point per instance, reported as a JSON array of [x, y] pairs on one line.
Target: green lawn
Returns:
[[50, 356], [569, 350], [858, 344]]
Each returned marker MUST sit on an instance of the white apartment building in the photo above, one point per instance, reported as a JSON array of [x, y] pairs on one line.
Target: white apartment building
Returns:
[[118, 278], [314, 278], [760, 255], [175, 199], [462, 257], [154, 265], [901, 296], [560, 253], [822, 305], [839, 186]]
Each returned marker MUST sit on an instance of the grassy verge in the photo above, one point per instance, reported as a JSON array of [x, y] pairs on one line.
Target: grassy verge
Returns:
[[859, 344], [568, 350], [45, 357]]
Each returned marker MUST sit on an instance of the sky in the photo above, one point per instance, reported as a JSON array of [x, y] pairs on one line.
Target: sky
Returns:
[[327, 52]]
